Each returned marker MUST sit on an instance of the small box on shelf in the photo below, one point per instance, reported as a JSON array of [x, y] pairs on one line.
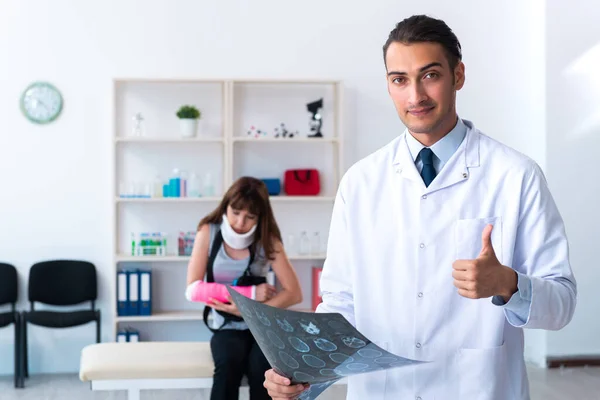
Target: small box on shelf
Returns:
[[149, 244], [185, 243]]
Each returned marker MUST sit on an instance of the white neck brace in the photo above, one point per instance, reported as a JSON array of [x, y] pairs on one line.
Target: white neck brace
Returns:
[[236, 240]]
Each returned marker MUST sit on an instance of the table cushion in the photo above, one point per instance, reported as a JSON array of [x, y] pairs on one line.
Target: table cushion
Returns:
[[146, 360]]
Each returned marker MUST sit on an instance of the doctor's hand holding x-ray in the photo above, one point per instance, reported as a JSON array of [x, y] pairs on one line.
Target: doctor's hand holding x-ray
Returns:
[[444, 244]]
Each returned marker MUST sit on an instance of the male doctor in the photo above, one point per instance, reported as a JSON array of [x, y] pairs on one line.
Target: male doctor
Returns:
[[444, 244]]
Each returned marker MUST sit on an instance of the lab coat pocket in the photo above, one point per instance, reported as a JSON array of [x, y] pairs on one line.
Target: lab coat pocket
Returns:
[[468, 237], [371, 385], [482, 374]]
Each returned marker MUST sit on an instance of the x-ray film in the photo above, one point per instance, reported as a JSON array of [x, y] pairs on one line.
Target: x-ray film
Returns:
[[314, 348]]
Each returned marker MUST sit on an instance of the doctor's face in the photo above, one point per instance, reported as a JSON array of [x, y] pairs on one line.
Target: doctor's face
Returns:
[[423, 88]]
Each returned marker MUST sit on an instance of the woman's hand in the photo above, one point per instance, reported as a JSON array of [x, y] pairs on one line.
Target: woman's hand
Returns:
[[265, 292], [230, 307]]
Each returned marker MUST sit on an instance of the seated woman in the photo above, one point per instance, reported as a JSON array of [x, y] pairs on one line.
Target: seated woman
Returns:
[[238, 242]]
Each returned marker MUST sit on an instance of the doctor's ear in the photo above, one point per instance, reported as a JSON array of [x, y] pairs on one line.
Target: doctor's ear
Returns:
[[459, 75]]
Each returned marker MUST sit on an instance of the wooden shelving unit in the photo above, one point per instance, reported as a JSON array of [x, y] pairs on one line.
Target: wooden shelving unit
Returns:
[[224, 149]]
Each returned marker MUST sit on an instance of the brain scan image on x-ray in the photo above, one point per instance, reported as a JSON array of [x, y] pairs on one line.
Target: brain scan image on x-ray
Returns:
[[313, 348]]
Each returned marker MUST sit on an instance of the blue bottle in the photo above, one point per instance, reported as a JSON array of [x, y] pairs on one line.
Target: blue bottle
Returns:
[[175, 184]]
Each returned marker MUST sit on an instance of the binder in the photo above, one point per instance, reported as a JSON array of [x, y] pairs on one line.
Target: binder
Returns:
[[122, 294], [145, 298], [133, 336], [121, 337], [133, 280]]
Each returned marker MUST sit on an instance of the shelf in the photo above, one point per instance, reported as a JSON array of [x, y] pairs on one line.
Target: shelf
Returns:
[[174, 258], [217, 199], [134, 139], [164, 316], [284, 140], [306, 257], [154, 259], [167, 199], [302, 198]]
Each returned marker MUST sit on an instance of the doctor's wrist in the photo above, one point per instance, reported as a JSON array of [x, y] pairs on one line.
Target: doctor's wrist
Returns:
[[509, 283]]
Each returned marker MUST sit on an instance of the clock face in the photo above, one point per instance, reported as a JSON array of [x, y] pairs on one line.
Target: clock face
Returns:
[[41, 103]]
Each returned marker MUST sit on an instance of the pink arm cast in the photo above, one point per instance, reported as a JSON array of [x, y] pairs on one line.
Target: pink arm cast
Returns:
[[201, 291]]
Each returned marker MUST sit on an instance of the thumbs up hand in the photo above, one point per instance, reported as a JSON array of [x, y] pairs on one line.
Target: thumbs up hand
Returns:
[[484, 276]]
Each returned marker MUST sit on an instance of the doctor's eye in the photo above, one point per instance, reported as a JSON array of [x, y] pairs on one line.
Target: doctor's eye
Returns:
[[398, 80]]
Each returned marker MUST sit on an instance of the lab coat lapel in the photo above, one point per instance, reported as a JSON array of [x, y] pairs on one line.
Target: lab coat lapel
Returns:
[[404, 163], [457, 169]]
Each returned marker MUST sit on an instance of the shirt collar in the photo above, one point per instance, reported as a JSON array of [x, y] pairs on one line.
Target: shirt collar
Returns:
[[443, 148]]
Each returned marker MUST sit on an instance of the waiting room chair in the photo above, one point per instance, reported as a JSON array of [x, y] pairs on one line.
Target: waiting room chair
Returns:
[[8, 295], [60, 283]]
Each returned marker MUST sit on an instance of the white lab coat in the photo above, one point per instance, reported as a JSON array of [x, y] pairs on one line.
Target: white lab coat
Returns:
[[389, 268]]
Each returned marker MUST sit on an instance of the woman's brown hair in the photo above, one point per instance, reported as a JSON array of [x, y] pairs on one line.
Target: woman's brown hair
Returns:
[[250, 194]]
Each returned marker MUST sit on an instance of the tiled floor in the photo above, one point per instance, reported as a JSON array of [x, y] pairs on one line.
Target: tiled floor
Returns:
[[554, 384]]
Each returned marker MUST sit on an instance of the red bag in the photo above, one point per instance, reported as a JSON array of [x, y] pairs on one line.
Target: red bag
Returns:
[[301, 182]]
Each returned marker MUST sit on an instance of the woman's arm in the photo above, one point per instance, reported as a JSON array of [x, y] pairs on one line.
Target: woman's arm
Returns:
[[291, 292], [198, 290], [199, 258]]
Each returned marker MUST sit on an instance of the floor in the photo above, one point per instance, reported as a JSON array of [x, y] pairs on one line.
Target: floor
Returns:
[[553, 384]]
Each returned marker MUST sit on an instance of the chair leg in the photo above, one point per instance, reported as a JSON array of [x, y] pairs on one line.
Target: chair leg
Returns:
[[98, 328], [18, 379], [25, 352]]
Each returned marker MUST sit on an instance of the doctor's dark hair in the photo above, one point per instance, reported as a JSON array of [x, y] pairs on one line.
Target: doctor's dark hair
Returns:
[[250, 194], [422, 29]]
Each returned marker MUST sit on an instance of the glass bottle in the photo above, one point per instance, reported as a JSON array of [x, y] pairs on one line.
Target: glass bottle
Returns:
[[304, 243], [193, 186], [157, 187], [209, 187]]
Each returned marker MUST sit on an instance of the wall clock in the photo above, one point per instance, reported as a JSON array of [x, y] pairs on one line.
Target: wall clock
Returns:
[[41, 102]]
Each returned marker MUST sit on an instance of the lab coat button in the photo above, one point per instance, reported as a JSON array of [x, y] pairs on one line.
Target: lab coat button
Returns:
[[418, 398], [418, 345], [420, 294], [422, 245], [424, 197]]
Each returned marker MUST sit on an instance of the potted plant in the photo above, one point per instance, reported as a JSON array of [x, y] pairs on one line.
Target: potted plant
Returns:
[[188, 120]]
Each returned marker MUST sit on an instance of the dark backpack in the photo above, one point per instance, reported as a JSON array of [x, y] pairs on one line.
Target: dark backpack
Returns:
[[246, 279]]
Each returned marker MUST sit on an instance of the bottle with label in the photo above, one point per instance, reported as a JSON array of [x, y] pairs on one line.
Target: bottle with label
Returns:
[[183, 184], [133, 249], [157, 187], [175, 184]]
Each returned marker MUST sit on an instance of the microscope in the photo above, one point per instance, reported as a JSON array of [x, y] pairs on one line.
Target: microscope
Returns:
[[316, 120]]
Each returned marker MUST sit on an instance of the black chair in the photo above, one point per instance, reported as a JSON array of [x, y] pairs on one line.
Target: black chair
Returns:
[[8, 295], [60, 283]]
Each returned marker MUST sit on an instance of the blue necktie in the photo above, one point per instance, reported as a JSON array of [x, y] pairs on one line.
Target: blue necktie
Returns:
[[428, 171]]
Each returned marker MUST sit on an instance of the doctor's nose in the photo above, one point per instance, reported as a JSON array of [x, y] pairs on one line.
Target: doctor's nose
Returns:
[[417, 95]]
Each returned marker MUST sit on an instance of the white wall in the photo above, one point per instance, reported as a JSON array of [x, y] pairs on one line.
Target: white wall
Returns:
[[573, 121], [56, 200]]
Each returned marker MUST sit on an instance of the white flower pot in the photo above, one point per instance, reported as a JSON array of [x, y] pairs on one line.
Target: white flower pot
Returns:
[[188, 127]]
